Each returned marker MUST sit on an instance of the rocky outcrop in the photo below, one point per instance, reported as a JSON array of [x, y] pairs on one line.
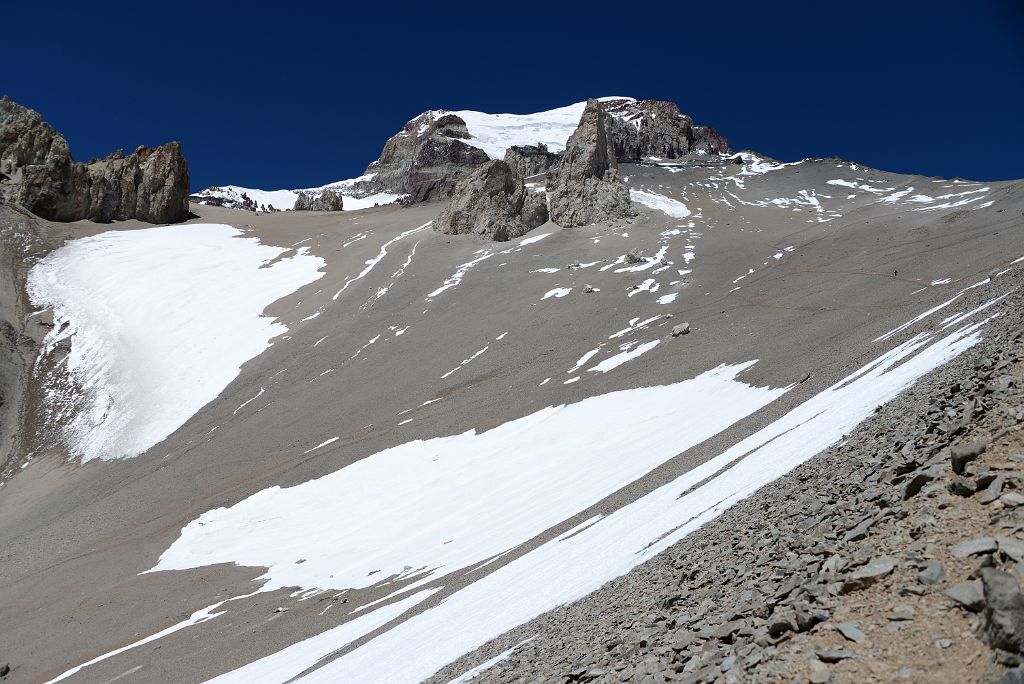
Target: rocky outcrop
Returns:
[[586, 187], [38, 173], [656, 128], [328, 200], [492, 202], [425, 160], [530, 160], [21, 245]]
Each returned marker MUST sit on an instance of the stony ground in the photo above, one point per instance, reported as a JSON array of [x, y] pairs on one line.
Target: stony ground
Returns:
[[894, 556]]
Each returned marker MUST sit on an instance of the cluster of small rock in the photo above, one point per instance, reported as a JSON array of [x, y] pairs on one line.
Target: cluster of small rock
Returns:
[[327, 200], [38, 173], [900, 547]]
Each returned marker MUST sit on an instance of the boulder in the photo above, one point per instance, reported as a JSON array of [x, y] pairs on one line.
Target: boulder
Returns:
[[492, 202], [327, 200], [586, 188], [38, 173], [1003, 616]]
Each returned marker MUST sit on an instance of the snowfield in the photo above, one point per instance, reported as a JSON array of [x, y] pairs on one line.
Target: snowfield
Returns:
[[427, 508], [159, 325]]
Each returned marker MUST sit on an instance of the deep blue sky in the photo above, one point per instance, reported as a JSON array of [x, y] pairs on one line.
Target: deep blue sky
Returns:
[[298, 94]]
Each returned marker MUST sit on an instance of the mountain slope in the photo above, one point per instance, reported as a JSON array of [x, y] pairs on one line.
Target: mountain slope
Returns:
[[453, 436]]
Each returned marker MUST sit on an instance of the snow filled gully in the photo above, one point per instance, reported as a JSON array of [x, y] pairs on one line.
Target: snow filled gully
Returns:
[[428, 508], [158, 326]]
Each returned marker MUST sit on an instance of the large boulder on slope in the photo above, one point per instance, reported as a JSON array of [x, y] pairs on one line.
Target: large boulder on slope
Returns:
[[586, 187], [38, 173], [492, 202]]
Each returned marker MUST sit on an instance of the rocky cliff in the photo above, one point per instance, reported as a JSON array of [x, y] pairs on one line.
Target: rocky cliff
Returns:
[[425, 160], [530, 160], [586, 187], [656, 128], [493, 202], [38, 173]]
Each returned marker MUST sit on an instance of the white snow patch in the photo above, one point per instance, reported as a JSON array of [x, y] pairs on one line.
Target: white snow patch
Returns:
[[381, 253], [324, 443], [532, 239], [292, 661], [622, 357], [557, 293], [664, 204], [488, 664], [465, 362], [158, 324], [524, 476]]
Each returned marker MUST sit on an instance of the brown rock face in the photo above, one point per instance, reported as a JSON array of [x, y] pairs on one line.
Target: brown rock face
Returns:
[[656, 128], [426, 159], [530, 160], [38, 173], [492, 202], [586, 187]]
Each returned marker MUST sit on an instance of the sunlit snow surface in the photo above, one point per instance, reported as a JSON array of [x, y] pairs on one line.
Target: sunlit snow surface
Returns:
[[426, 508], [672, 207], [573, 565], [158, 325]]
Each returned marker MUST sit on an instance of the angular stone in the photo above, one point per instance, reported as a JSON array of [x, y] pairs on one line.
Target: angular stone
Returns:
[[993, 491], [933, 573], [968, 594], [867, 575], [1011, 547], [961, 486], [918, 480], [850, 632], [681, 329], [1003, 617], [1014, 676], [820, 674], [902, 612], [832, 655], [962, 454], [973, 547]]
